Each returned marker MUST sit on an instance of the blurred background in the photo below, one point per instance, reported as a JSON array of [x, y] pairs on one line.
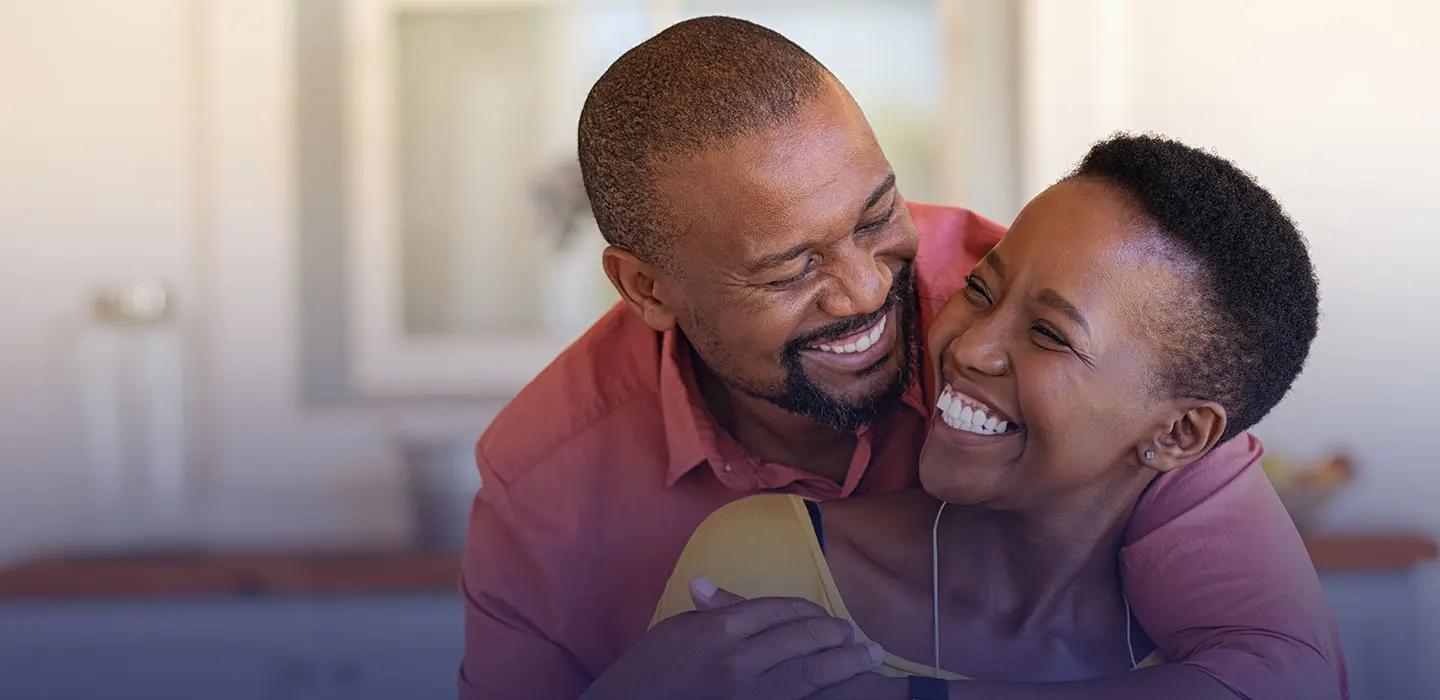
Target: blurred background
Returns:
[[270, 266]]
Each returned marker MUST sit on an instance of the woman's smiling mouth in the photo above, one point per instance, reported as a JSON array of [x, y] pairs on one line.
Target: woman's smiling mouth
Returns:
[[966, 413]]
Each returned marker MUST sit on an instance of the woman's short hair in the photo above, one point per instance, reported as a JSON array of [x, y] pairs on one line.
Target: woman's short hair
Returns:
[[1245, 337]]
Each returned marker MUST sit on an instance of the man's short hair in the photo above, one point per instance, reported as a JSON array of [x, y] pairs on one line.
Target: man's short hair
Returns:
[[698, 83]]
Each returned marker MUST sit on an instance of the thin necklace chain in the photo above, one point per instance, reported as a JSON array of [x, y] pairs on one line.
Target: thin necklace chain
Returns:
[[935, 595]]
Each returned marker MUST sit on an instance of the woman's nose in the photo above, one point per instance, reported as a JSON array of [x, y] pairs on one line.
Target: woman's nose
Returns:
[[981, 348], [861, 286]]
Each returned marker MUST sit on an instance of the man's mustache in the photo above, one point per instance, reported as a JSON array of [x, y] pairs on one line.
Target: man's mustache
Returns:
[[850, 326]]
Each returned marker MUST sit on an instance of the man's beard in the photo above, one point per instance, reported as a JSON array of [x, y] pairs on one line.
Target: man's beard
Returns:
[[803, 396]]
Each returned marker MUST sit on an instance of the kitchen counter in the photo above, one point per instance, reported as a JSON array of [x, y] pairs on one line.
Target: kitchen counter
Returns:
[[281, 574], [1374, 553], [230, 574]]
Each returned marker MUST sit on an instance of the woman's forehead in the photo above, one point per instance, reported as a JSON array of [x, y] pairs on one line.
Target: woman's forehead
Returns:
[[1084, 241]]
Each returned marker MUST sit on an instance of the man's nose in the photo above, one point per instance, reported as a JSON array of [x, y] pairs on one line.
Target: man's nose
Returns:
[[861, 284]]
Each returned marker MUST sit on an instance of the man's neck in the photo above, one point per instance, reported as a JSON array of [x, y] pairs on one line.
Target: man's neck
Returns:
[[773, 434]]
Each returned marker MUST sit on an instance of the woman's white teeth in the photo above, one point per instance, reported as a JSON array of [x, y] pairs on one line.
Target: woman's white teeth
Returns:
[[864, 343], [964, 413]]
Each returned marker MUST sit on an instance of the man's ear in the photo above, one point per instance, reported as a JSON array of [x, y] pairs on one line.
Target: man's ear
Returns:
[[1185, 438], [640, 285]]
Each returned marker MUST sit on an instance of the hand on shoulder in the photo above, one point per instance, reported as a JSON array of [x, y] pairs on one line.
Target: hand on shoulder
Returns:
[[729, 647]]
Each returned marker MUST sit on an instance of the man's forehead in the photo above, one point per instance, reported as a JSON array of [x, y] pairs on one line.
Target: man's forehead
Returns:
[[814, 173]]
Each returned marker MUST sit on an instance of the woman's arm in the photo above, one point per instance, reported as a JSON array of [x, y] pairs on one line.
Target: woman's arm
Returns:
[[1168, 681], [1162, 682], [1221, 581]]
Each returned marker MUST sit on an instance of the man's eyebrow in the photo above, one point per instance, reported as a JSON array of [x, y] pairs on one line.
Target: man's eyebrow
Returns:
[[885, 186], [1052, 299]]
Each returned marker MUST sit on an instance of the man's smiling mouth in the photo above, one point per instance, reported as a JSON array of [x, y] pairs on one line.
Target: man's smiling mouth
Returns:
[[859, 352], [860, 342]]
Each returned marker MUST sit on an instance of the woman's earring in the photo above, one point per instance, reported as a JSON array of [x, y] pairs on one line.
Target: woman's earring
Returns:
[[1149, 455]]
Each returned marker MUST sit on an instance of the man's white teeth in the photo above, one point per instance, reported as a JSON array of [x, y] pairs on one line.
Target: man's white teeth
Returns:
[[964, 413], [864, 343]]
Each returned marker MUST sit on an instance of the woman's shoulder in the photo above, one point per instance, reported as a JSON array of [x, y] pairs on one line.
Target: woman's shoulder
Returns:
[[779, 506], [756, 528], [756, 546]]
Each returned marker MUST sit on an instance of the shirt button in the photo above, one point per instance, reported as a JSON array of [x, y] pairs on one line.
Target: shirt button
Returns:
[[727, 468]]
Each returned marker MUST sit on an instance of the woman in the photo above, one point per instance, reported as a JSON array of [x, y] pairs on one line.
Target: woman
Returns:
[[1151, 305]]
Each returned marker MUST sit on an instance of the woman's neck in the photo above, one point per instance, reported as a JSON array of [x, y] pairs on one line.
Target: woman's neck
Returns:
[[1033, 566]]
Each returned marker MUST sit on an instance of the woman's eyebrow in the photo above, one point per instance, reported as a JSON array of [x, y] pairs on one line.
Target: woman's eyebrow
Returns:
[[1052, 299]]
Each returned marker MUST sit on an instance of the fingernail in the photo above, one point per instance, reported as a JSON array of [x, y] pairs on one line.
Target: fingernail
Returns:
[[705, 588], [877, 654], [858, 634]]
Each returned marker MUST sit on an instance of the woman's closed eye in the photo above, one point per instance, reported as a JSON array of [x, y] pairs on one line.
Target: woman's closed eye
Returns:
[[1049, 334], [1048, 338], [976, 292]]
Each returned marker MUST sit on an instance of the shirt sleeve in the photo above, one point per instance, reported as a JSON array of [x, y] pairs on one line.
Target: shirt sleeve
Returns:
[[508, 656], [1219, 578]]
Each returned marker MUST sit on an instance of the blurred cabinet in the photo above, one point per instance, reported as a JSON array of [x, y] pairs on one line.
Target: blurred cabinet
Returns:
[[150, 147], [350, 648], [96, 194]]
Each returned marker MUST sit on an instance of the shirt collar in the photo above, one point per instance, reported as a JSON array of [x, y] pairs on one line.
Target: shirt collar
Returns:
[[922, 392], [687, 420], [915, 395]]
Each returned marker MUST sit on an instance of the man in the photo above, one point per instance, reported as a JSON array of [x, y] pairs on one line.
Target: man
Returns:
[[778, 287]]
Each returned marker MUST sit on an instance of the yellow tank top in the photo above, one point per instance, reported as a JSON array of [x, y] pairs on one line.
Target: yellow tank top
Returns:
[[764, 546]]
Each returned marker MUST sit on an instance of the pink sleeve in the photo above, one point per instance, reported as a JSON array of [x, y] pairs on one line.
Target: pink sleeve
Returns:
[[507, 655], [1219, 578]]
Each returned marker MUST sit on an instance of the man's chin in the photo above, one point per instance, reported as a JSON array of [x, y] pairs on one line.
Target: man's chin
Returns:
[[849, 411], [847, 402], [872, 389]]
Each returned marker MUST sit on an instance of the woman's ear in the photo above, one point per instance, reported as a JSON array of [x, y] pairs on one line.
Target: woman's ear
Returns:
[[1185, 438], [641, 286]]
